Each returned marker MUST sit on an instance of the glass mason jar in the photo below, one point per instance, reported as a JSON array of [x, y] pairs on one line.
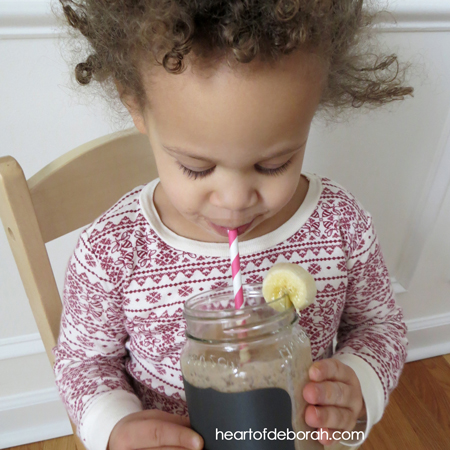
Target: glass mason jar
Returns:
[[244, 372]]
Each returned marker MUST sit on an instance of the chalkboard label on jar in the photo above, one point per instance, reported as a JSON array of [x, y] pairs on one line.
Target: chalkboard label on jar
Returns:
[[253, 420]]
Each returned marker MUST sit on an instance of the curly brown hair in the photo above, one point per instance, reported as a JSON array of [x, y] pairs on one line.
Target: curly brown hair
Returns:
[[121, 33]]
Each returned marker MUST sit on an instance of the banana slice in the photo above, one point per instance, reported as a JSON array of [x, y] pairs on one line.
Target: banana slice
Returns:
[[292, 280]]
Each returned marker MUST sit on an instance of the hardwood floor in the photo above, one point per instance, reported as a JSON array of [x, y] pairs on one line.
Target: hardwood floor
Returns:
[[64, 443], [418, 414], [416, 418]]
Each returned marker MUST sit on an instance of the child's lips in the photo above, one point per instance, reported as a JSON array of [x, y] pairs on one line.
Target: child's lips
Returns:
[[223, 231]]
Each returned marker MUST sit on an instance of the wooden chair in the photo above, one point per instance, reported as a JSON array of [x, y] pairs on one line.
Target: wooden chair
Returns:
[[67, 194]]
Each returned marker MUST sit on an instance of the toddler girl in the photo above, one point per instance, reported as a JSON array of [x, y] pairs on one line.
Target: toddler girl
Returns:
[[226, 92]]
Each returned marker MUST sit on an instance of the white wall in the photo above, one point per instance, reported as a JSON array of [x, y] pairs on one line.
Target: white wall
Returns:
[[396, 161]]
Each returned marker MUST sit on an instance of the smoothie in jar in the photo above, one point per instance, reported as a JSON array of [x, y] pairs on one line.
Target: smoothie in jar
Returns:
[[244, 372]]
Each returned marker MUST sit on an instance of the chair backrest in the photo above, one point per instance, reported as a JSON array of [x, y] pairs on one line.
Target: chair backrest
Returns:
[[65, 195]]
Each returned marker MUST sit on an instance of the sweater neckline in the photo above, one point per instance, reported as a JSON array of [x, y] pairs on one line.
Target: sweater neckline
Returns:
[[261, 243]]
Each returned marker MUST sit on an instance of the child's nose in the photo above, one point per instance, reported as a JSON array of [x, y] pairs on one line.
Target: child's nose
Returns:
[[235, 193]]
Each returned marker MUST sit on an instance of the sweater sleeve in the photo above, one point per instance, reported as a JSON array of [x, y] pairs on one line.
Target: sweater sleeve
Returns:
[[90, 353], [372, 334]]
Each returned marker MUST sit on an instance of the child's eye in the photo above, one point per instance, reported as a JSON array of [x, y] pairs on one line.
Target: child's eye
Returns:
[[194, 174], [276, 171]]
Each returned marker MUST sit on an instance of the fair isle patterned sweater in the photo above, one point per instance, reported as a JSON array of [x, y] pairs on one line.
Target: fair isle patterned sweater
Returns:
[[122, 328]]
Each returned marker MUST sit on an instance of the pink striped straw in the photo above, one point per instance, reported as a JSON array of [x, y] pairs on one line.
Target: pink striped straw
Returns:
[[235, 268]]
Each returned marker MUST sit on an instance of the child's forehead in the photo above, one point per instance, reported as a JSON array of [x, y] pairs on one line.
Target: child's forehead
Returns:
[[234, 110], [232, 97], [299, 65]]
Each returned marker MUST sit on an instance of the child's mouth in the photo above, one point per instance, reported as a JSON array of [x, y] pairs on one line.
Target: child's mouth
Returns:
[[223, 231]]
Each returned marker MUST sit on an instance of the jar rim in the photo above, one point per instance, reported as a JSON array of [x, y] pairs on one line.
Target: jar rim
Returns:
[[237, 340], [211, 317], [251, 289]]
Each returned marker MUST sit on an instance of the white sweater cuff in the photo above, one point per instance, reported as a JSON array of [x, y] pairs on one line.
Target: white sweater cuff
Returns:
[[101, 417], [372, 391]]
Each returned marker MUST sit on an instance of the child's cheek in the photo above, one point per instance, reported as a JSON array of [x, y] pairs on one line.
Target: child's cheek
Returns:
[[280, 192], [184, 198]]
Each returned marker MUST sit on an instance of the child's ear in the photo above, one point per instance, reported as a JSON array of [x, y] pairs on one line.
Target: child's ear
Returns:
[[130, 102]]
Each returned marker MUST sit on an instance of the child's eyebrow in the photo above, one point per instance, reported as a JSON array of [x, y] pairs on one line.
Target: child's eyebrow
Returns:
[[185, 152], [283, 152]]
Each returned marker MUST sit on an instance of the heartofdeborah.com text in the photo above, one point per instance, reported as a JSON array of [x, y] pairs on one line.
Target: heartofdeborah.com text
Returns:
[[276, 435]]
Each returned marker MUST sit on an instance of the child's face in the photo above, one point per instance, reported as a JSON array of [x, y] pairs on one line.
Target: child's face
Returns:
[[229, 145]]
